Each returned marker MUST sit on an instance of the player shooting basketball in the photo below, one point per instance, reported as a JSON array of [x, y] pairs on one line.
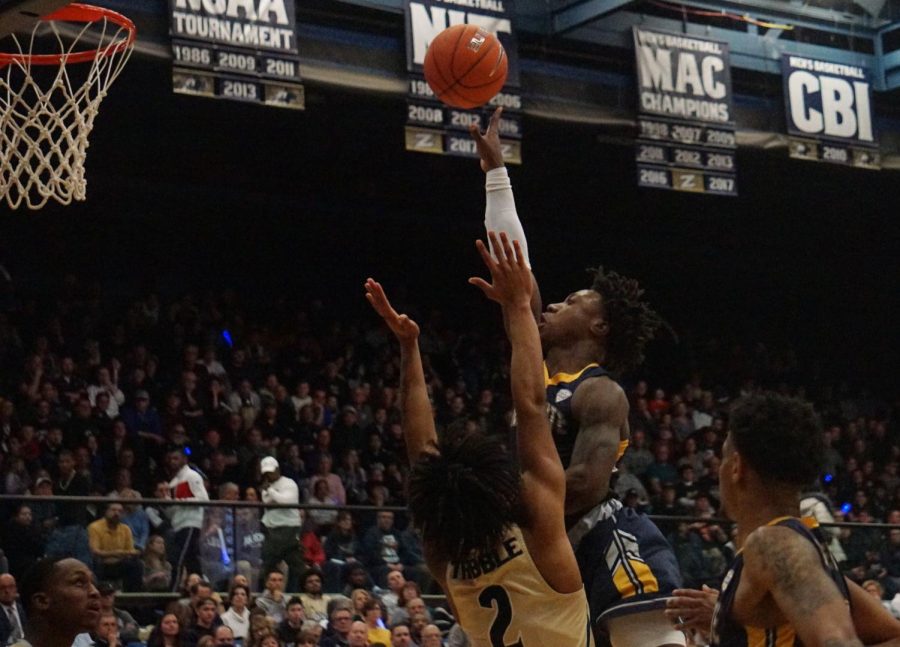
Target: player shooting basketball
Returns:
[[493, 531], [628, 567]]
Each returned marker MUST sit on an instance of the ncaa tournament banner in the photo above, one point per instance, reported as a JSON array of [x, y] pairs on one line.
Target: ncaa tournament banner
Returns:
[[242, 50], [686, 136], [433, 127], [829, 112]]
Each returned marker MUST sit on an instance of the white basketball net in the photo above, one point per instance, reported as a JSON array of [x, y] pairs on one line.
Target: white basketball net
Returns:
[[47, 111]]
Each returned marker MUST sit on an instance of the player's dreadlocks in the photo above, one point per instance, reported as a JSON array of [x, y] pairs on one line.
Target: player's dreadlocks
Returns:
[[464, 498], [632, 322]]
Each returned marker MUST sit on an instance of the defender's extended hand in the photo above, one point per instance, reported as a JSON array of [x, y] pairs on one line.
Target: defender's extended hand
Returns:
[[488, 143], [402, 326], [512, 284]]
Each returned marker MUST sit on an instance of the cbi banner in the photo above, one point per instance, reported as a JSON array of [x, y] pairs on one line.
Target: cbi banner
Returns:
[[433, 127], [829, 112], [243, 50], [686, 138]]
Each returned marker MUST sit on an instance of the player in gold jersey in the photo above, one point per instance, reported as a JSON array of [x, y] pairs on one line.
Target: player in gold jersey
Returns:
[[783, 589], [494, 534]]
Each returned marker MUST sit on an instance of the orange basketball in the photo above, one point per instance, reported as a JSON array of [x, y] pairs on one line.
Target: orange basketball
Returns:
[[465, 66]]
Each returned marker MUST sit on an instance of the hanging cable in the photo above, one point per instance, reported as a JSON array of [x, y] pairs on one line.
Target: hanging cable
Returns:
[[720, 14]]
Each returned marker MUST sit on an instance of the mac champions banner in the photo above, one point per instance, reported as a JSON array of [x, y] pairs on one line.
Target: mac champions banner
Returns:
[[686, 136], [433, 127], [829, 112], [244, 50]]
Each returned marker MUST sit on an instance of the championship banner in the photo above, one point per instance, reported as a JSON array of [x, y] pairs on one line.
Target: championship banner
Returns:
[[686, 136], [829, 112], [433, 127], [243, 50]]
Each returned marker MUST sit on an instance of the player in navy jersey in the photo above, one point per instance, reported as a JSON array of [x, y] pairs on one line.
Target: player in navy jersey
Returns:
[[627, 566], [783, 589]]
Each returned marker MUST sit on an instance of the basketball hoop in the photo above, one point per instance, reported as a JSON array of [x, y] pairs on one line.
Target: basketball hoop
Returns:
[[47, 108]]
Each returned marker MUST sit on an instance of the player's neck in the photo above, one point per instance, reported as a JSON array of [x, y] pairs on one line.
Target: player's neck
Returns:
[[762, 507], [572, 358]]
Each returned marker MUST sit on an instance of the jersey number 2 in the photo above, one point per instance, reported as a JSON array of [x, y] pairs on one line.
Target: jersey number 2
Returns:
[[504, 614]]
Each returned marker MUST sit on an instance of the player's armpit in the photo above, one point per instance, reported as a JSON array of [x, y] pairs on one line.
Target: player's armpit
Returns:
[[601, 408], [780, 562]]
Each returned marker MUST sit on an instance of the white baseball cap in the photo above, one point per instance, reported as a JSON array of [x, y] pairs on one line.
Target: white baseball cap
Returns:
[[268, 464]]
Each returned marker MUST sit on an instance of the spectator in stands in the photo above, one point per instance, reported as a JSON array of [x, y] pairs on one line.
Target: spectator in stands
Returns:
[[113, 550], [157, 570], [206, 619], [135, 517], [357, 579], [126, 626], [661, 469], [23, 543], [417, 624], [431, 636], [323, 518], [69, 537], [237, 618], [638, 458], [401, 635], [143, 420], [387, 549], [315, 603], [323, 472], [167, 633], [289, 629], [353, 476], [12, 617], [282, 526], [186, 485], [391, 599], [272, 600], [358, 635], [106, 383], [373, 616], [223, 636], [340, 619], [107, 633]]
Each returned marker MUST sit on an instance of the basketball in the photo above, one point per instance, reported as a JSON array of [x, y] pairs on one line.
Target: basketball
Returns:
[[465, 66]]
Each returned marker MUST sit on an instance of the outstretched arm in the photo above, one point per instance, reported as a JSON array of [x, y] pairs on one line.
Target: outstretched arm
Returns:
[[418, 422], [500, 205], [512, 287], [543, 478]]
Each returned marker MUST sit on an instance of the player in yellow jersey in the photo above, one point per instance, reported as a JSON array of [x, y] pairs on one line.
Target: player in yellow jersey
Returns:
[[494, 533], [783, 589]]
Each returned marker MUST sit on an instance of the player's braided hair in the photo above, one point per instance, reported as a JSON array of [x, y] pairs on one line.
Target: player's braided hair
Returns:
[[464, 498], [632, 322]]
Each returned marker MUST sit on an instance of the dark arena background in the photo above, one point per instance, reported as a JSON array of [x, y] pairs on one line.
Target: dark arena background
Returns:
[[256, 226]]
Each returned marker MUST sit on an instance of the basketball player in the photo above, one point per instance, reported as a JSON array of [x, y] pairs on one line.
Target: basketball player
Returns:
[[494, 538], [783, 587], [628, 567]]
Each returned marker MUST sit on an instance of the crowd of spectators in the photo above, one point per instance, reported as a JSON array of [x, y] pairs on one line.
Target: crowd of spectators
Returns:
[[203, 398]]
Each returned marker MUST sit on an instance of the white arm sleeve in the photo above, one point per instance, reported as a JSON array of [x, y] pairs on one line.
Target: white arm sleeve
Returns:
[[500, 212]]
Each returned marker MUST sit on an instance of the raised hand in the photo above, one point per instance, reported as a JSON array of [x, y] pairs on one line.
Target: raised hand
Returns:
[[402, 326], [511, 284], [488, 143]]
